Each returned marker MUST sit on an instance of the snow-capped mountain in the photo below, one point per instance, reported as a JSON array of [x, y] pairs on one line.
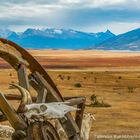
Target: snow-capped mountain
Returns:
[[59, 38], [71, 39]]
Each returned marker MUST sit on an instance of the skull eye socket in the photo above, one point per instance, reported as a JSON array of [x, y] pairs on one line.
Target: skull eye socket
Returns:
[[35, 110], [43, 108]]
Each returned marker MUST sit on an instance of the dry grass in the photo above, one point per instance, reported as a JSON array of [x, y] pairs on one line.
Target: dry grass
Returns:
[[123, 117], [118, 86]]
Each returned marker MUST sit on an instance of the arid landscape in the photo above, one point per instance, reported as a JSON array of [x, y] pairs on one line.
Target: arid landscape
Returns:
[[114, 77]]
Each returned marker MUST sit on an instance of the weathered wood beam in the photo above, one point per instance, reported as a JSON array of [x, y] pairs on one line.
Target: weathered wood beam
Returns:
[[15, 97], [42, 99], [39, 87], [75, 101], [71, 100], [23, 77], [14, 119], [80, 113]]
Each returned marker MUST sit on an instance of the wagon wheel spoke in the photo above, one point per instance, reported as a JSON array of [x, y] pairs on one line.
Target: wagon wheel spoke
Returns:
[[50, 131], [43, 131]]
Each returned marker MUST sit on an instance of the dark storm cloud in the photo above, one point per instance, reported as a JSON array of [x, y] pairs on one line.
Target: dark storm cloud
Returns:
[[100, 16]]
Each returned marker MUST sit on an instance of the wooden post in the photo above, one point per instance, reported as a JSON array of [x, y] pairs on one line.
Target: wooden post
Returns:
[[14, 119], [75, 101], [39, 87], [79, 113], [23, 77]]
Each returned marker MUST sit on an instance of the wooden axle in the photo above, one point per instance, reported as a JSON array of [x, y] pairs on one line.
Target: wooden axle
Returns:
[[71, 100]]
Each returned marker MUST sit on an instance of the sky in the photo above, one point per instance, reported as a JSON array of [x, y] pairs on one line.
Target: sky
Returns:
[[118, 16]]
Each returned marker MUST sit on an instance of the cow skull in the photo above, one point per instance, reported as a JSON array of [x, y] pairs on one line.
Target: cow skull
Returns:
[[43, 111]]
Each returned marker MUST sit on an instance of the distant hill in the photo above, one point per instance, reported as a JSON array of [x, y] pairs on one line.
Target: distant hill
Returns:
[[127, 41], [56, 38]]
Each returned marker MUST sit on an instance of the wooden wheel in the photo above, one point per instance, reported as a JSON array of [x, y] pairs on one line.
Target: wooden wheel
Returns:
[[49, 131], [46, 90], [42, 131]]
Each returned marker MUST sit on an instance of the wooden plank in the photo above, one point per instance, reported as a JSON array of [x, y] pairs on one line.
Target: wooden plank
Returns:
[[16, 97], [71, 100], [80, 113], [23, 77], [75, 101], [43, 95], [39, 87], [15, 120]]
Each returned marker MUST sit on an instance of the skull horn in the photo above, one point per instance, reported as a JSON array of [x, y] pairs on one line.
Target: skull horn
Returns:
[[26, 97]]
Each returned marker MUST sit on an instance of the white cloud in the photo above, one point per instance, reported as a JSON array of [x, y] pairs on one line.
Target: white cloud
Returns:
[[25, 10], [88, 15], [94, 3], [115, 27], [101, 3], [69, 1]]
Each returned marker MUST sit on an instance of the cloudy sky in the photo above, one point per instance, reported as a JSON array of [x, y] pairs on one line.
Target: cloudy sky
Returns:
[[85, 15]]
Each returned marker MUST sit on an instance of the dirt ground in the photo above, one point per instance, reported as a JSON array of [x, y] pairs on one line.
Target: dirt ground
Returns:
[[113, 77]]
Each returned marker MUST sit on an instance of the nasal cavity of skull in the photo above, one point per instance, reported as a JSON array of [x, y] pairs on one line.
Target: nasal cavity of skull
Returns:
[[43, 108]]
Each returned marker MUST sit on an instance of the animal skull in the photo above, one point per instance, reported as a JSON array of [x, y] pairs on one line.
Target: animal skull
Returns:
[[43, 111]]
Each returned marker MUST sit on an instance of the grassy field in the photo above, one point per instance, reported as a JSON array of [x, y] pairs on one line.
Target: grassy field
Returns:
[[120, 89], [118, 86]]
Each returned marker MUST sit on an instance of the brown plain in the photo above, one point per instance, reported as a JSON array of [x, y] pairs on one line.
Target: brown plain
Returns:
[[113, 76]]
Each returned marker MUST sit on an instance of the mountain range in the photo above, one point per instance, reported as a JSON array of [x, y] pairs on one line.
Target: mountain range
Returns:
[[127, 41], [52, 38]]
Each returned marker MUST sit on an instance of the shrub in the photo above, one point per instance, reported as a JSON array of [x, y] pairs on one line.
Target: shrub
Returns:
[[78, 85], [61, 76], [95, 79], [96, 103], [93, 98], [10, 74], [131, 89], [68, 77], [119, 77]]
